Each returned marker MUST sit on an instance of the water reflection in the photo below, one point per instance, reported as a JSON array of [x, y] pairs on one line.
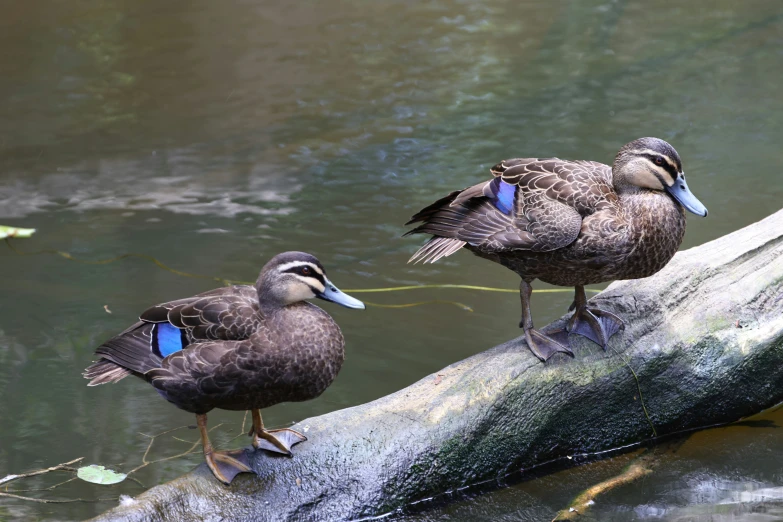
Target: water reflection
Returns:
[[178, 181]]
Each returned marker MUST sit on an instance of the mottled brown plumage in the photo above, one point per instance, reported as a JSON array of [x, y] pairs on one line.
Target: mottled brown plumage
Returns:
[[293, 355], [236, 348], [568, 223]]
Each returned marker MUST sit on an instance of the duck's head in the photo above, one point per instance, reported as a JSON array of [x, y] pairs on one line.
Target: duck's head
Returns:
[[291, 277], [653, 164]]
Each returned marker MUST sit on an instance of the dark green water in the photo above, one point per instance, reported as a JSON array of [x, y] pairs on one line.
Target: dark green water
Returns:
[[215, 135]]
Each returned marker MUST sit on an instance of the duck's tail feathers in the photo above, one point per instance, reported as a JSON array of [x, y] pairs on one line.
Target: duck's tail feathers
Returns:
[[446, 220], [104, 371], [127, 353], [436, 248], [427, 212]]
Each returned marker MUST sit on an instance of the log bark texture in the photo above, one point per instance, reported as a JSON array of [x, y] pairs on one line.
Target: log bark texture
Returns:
[[704, 337]]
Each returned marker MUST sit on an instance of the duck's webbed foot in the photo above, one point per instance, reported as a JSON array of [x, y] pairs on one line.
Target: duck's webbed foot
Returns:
[[226, 465], [544, 346], [277, 441], [591, 322]]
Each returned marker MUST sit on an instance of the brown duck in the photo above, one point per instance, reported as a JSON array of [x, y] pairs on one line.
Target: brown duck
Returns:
[[237, 348], [568, 223]]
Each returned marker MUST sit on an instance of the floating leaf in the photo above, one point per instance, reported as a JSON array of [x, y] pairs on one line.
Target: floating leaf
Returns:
[[15, 232], [99, 475]]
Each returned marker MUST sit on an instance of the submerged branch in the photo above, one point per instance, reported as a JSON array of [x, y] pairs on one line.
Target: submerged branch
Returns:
[[65, 466], [54, 500], [640, 467], [192, 449]]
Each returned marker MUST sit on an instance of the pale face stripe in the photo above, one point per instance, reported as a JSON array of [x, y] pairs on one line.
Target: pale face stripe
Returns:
[[293, 264], [656, 153], [311, 282], [664, 175]]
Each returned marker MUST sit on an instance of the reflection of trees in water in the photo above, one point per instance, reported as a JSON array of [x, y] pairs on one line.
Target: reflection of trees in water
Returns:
[[71, 81], [229, 95], [599, 78]]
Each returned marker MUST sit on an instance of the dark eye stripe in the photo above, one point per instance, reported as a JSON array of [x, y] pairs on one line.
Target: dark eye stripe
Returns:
[[313, 273], [666, 166]]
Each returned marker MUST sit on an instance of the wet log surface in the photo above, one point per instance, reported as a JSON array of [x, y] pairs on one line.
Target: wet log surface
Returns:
[[704, 337]]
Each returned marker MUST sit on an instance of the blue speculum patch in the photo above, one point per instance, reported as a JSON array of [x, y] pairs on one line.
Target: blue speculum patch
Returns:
[[504, 199], [169, 338]]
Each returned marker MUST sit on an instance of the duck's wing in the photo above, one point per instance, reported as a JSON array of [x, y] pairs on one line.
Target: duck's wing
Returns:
[[224, 314], [205, 372], [531, 204], [585, 186]]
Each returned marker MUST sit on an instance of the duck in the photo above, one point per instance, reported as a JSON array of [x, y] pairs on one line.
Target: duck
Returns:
[[237, 348], [568, 223]]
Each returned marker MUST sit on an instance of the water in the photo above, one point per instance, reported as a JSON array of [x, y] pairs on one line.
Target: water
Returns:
[[215, 135]]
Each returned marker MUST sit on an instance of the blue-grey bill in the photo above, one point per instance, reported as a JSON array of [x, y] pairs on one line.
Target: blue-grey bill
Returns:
[[335, 295], [682, 193]]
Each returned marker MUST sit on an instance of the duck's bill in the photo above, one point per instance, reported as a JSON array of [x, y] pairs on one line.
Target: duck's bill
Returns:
[[683, 194], [335, 295]]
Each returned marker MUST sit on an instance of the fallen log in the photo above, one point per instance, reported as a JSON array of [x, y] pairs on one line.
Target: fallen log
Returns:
[[703, 345]]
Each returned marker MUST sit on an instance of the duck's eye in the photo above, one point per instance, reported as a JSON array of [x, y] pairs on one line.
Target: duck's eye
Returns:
[[659, 161], [306, 270]]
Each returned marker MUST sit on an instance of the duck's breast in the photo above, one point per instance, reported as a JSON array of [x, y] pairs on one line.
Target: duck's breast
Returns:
[[295, 357], [625, 242], [314, 347], [291, 357], [658, 228], [635, 239]]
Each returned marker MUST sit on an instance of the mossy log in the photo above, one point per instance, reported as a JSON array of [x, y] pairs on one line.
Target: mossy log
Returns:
[[704, 337]]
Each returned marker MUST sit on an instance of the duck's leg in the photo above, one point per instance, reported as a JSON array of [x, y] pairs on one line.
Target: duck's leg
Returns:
[[595, 324], [279, 441], [225, 465], [541, 345]]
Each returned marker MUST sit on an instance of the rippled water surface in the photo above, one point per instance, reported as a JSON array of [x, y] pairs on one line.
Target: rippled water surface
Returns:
[[213, 135]]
